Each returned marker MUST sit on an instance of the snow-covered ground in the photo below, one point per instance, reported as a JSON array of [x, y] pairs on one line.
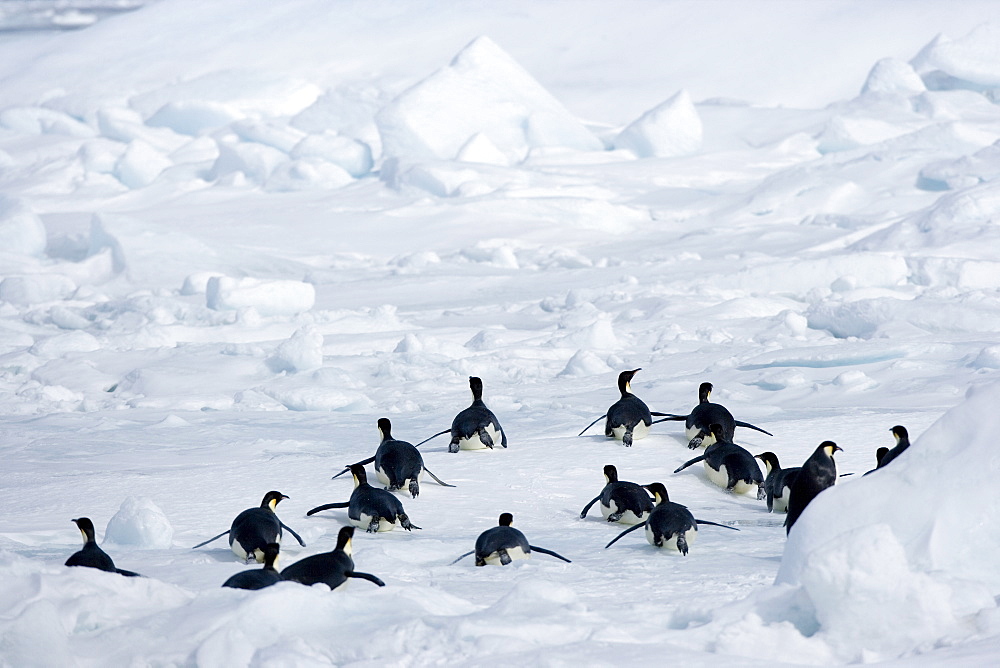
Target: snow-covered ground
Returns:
[[233, 235]]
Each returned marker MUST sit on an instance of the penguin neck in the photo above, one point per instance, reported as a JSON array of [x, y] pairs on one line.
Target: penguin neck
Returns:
[[611, 476], [88, 537], [625, 387], [704, 393]]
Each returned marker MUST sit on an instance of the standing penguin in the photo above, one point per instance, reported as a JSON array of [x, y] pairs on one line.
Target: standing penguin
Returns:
[[628, 418], [902, 443], [476, 427], [621, 501], [729, 466], [818, 472], [331, 568], [92, 556], [503, 544], [698, 423], [370, 508], [777, 482], [260, 577], [670, 525], [398, 464], [254, 528]]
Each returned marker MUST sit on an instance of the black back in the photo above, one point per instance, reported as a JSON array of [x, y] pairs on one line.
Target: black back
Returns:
[[629, 410], [368, 500], [399, 461], [817, 473], [626, 496], [739, 463], [500, 538], [477, 416], [902, 443], [260, 577]]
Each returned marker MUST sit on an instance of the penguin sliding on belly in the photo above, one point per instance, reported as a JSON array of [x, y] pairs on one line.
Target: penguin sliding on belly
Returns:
[[503, 544], [729, 466], [777, 482], [670, 525], [621, 501], [398, 464], [331, 568], [370, 508], [628, 418], [92, 556], [476, 427], [260, 577], [254, 528], [818, 472], [698, 423]]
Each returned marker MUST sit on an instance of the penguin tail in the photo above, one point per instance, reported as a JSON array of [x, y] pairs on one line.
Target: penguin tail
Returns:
[[211, 539], [592, 424], [328, 506], [689, 463], [750, 426], [542, 550]]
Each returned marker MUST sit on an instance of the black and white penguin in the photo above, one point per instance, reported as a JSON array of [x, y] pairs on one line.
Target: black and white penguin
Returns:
[[628, 418], [728, 465], [621, 501], [331, 568], [503, 544], [902, 443], [259, 577], [474, 428], [879, 456], [254, 528], [777, 482], [818, 472], [92, 556], [398, 464], [370, 508], [670, 525], [698, 423]]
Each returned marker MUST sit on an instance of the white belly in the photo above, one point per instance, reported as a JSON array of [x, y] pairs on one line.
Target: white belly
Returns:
[[628, 517], [691, 432], [638, 431], [383, 524], [780, 504], [384, 479], [475, 443], [720, 477], [671, 543], [258, 554], [514, 553]]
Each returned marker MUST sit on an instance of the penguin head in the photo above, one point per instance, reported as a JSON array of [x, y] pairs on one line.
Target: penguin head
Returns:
[[770, 460], [900, 434], [716, 430], [704, 392], [384, 429], [476, 385], [344, 540], [829, 447], [271, 499], [625, 380], [358, 471], [659, 492], [86, 527], [879, 454], [610, 473], [506, 519], [271, 556]]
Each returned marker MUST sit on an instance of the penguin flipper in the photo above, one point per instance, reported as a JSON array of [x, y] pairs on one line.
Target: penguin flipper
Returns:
[[363, 462], [292, 531], [440, 433], [364, 576], [715, 524], [436, 479], [586, 508], [542, 550], [503, 434], [669, 417], [462, 557], [211, 539], [592, 424], [750, 426], [689, 463], [128, 574], [328, 506], [631, 528]]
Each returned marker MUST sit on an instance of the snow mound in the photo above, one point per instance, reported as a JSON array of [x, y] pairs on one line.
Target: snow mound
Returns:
[[672, 128], [268, 297], [972, 61], [140, 523], [140, 165], [890, 75], [193, 117], [35, 288], [21, 229], [482, 91], [301, 352], [351, 155]]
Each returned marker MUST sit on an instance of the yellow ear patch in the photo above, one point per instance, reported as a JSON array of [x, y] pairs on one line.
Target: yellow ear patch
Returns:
[[348, 549]]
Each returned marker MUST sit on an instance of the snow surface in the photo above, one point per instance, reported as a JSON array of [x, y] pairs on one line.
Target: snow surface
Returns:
[[233, 235]]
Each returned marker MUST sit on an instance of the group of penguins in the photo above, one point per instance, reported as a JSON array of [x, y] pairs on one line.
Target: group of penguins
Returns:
[[256, 532]]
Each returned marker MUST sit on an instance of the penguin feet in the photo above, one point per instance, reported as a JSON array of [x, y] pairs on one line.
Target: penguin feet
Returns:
[[760, 492], [404, 522], [373, 525], [486, 439], [682, 545], [696, 442], [614, 517], [504, 557], [453, 446], [414, 488], [627, 438]]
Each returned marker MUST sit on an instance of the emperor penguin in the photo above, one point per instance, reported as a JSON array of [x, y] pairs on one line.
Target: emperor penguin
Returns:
[[503, 544], [698, 423], [331, 568], [902, 443], [818, 472], [260, 577], [91, 555], [670, 525], [729, 466], [254, 528], [777, 482], [370, 508], [628, 418], [621, 501], [474, 428]]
